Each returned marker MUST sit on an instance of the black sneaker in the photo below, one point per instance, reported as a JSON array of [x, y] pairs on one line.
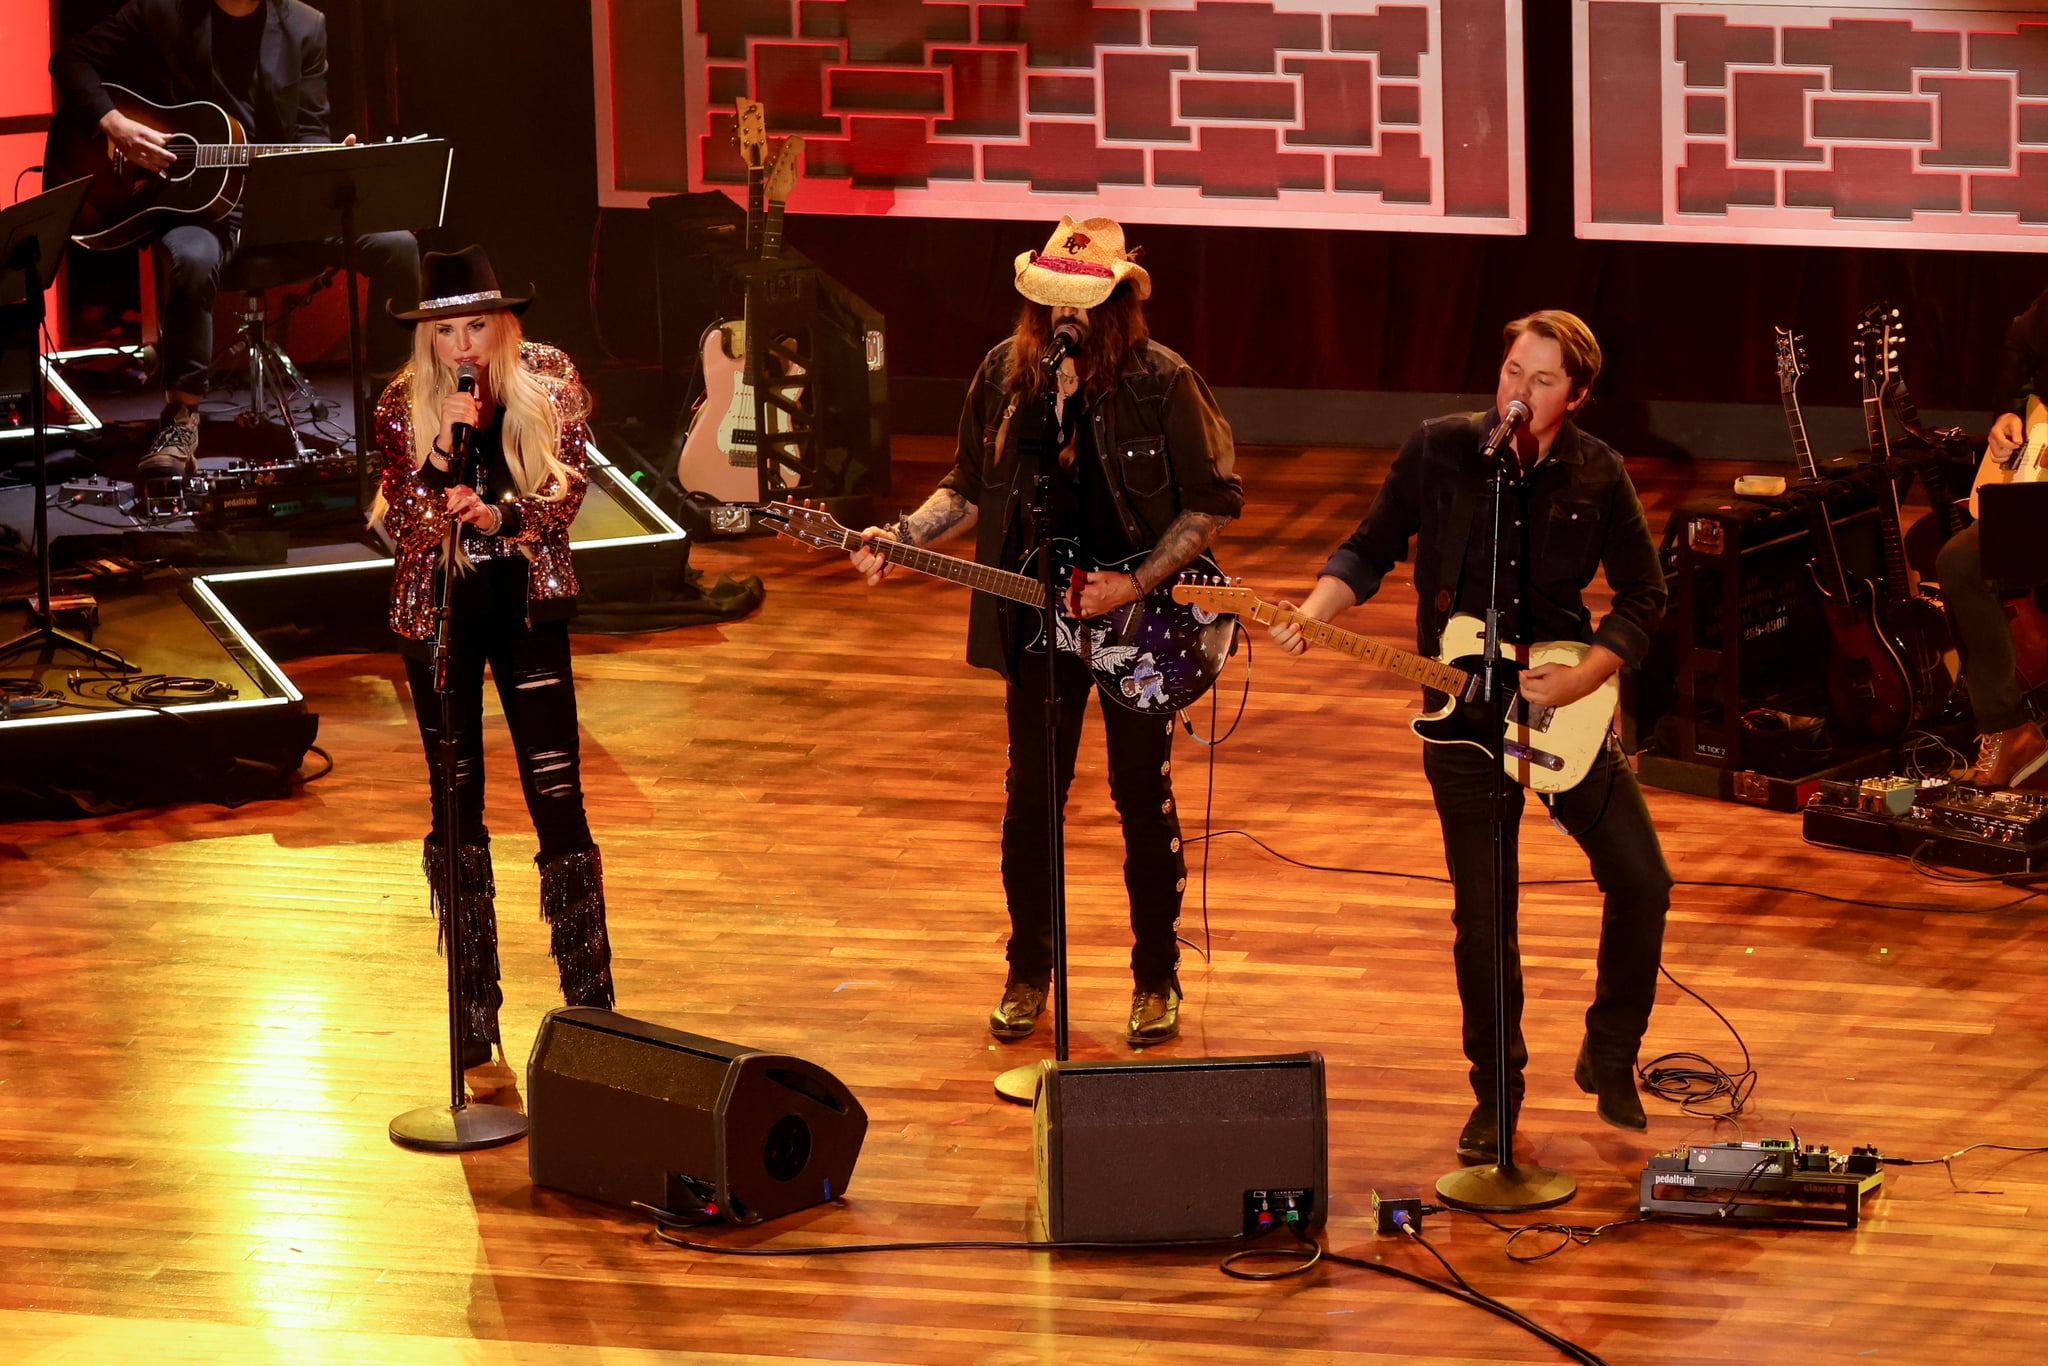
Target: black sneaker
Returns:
[[175, 452]]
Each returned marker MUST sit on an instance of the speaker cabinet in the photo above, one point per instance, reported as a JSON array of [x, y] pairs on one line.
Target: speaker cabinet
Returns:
[[624, 1111], [1181, 1151]]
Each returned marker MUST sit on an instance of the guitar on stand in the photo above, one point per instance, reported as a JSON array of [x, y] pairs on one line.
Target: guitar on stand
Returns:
[[720, 458], [1868, 685], [1916, 624], [210, 154]]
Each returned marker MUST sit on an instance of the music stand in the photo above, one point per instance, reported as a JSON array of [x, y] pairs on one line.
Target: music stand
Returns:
[[33, 235], [2009, 541], [346, 192]]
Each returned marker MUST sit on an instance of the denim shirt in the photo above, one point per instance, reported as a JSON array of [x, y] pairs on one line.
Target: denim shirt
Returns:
[[1582, 516]]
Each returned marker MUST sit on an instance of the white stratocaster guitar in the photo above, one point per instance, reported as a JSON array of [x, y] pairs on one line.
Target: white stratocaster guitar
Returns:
[[1548, 749]]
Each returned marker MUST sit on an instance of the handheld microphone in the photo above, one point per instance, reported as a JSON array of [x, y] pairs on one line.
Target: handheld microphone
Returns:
[[459, 433], [1515, 416], [1066, 341]]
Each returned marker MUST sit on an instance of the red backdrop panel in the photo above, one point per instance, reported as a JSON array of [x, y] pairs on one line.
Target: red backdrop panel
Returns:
[[1904, 123], [1339, 114]]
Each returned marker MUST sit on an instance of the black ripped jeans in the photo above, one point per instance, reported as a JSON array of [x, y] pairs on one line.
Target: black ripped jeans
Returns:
[[1606, 814], [538, 692], [1141, 786]]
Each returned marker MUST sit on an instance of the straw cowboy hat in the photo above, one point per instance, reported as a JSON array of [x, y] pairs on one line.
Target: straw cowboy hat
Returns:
[[454, 283], [1082, 264]]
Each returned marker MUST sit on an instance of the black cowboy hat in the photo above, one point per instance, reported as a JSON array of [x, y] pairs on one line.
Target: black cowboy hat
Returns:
[[453, 283]]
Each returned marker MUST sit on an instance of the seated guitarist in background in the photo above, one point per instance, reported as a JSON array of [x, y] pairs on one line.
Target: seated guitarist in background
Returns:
[[1570, 513], [1139, 457], [265, 62], [2011, 750]]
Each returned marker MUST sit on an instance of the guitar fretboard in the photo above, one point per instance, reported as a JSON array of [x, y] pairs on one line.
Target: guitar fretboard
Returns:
[[1430, 673], [1003, 583], [214, 155]]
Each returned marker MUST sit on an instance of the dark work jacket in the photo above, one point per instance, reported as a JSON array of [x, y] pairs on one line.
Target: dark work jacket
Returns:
[[1165, 449], [2026, 357], [163, 50], [1588, 521]]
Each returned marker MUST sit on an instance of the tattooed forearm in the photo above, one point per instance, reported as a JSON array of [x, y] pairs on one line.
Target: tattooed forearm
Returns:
[[944, 514], [1188, 536]]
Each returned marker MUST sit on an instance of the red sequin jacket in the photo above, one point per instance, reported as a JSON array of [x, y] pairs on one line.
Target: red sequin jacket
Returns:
[[535, 527]]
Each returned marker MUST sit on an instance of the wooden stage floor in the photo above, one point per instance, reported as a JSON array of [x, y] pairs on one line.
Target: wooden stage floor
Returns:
[[207, 1018]]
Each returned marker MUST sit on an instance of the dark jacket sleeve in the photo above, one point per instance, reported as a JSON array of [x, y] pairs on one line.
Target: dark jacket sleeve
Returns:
[[1634, 575], [111, 50], [2026, 355], [312, 83], [1194, 423], [1390, 524]]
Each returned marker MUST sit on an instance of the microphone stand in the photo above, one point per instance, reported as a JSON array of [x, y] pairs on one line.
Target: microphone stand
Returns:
[[1502, 1187], [462, 1125], [1020, 1084]]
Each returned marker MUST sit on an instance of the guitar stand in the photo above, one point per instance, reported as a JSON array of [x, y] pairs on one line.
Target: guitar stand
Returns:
[[1502, 1187]]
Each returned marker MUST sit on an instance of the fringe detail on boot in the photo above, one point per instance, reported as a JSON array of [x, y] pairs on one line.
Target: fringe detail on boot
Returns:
[[479, 930], [572, 902]]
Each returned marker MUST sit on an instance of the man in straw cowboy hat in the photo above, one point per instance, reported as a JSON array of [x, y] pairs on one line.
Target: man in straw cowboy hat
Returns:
[[1140, 462]]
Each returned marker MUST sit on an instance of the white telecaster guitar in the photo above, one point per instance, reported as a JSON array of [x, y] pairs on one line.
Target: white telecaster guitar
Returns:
[[1549, 749]]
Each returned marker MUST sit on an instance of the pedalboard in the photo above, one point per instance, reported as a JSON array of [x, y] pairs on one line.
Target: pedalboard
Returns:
[[1985, 829], [1776, 1181]]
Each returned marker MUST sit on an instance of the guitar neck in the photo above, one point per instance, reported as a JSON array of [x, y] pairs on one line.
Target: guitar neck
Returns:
[[1800, 450], [771, 232], [217, 154], [1430, 673], [1873, 425], [1001, 582], [757, 182]]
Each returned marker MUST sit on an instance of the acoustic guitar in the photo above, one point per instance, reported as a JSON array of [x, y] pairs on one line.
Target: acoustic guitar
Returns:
[[127, 203]]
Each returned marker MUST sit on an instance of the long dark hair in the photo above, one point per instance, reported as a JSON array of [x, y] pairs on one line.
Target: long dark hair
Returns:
[[1115, 327]]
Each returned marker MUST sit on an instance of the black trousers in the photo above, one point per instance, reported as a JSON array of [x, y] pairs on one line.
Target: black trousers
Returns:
[[188, 263], [538, 692], [1141, 787], [1607, 816], [1982, 634]]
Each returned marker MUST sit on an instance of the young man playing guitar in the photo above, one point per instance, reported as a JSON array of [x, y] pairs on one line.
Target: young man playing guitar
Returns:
[[1139, 459], [2011, 750], [1569, 512], [265, 63]]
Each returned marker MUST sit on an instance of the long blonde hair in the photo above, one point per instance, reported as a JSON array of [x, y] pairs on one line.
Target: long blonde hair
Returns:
[[533, 418]]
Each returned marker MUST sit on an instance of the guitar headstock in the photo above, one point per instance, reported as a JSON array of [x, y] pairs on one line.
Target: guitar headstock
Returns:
[[1215, 595], [750, 130], [807, 525], [1879, 335], [782, 175], [1791, 359]]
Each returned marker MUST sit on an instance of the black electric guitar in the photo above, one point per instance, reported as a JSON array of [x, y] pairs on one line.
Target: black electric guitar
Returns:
[[210, 155], [1868, 685], [1548, 749], [1155, 655], [1916, 625]]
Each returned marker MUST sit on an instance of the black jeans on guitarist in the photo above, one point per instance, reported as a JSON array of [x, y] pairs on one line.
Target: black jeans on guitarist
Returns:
[[1606, 814], [1982, 633], [1141, 787], [188, 265]]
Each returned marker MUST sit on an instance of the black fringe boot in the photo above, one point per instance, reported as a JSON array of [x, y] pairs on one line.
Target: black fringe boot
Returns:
[[479, 942], [572, 902]]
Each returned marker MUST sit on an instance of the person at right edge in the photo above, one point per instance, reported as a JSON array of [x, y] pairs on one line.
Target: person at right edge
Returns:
[[2011, 751], [1570, 513]]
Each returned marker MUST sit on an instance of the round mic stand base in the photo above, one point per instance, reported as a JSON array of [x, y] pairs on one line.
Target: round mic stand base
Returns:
[[1019, 1085], [457, 1128], [1505, 1190]]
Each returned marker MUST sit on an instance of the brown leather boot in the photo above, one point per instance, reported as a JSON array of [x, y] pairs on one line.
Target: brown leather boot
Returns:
[[2010, 757]]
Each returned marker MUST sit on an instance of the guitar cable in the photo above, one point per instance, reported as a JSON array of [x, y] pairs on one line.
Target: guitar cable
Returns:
[[1209, 795]]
